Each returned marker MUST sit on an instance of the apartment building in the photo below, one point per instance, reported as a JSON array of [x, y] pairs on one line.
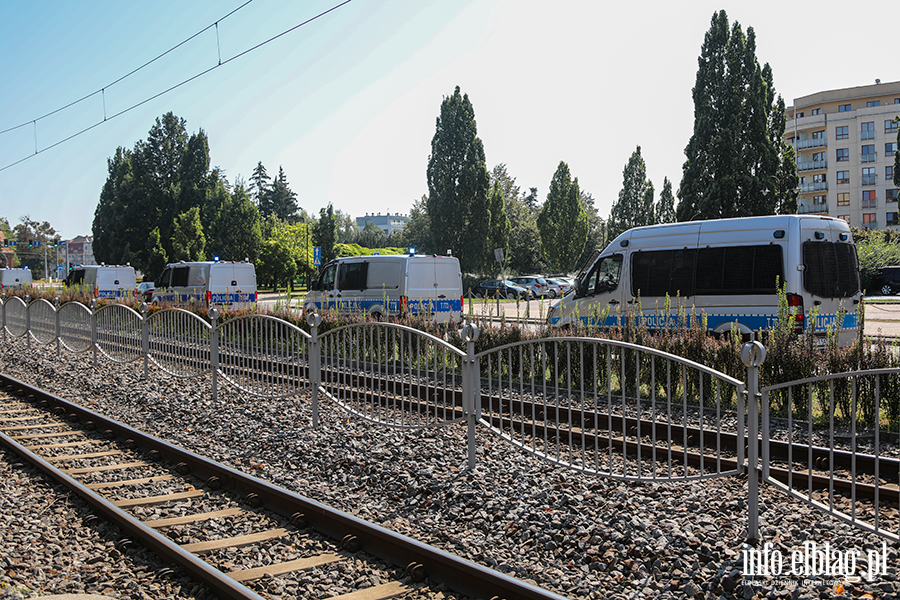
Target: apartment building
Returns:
[[388, 223], [845, 141]]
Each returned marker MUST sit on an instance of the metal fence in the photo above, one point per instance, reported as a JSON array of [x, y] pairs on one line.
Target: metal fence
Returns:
[[597, 406]]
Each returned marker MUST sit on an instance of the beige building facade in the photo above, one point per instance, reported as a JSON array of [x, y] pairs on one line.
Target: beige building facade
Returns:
[[845, 141]]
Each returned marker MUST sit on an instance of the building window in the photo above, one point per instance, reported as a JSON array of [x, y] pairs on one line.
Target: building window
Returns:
[[842, 133], [816, 111], [819, 178], [890, 195], [890, 219], [867, 153], [869, 220], [819, 200], [843, 176], [868, 131], [844, 108], [818, 157], [869, 200], [845, 218], [869, 176], [888, 172], [890, 149], [843, 199], [872, 103], [800, 115], [890, 126], [843, 154]]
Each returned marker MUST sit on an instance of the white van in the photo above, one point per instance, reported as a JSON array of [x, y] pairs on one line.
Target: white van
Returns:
[[724, 271], [390, 285], [103, 281], [15, 278], [231, 285]]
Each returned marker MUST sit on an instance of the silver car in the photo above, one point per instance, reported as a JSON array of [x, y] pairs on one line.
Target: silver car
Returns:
[[538, 286]]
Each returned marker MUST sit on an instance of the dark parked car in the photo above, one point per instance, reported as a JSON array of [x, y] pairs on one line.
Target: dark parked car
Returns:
[[887, 282], [505, 289], [144, 290]]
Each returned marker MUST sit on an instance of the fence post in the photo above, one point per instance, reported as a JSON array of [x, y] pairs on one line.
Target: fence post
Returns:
[[314, 361], [94, 330], [752, 355], [145, 338], [56, 314], [470, 375], [28, 321], [213, 314], [3, 306]]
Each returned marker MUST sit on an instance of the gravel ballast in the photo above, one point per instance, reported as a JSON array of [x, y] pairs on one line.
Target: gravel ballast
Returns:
[[578, 536]]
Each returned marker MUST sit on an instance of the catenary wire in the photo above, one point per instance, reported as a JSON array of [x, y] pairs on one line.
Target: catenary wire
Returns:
[[146, 64], [177, 85]]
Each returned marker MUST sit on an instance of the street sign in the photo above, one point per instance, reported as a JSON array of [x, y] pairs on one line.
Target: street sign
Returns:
[[317, 256]]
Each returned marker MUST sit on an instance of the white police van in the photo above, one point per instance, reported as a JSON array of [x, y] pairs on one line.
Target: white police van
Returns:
[[724, 271], [397, 284], [230, 285], [15, 278], [113, 282]]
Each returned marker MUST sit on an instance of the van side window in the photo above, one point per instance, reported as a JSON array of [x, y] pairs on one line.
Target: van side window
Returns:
[[604, 277], [180, 276], [662, 272], [164, 278], [353, 276], [328, 277], [739, 270], [832, 270]]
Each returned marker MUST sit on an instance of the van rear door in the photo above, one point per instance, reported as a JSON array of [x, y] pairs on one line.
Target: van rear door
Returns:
[[434, 287], [830, 276]]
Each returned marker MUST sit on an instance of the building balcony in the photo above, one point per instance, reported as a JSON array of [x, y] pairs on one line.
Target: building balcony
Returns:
[[869, 180], [867, 158], [817, 186], [869, 204], [867, 135], [810, 143], [814, 209], [812, 165]]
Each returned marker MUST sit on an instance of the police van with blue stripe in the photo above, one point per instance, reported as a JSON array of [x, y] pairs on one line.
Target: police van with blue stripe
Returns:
[[390, 285], [225, 284], [726, 272], [112, 282]]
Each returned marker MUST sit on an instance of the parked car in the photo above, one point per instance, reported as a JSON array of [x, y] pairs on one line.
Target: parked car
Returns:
[[559, 287], [144, 290], [538, 286], [887, 282], [503, 289]]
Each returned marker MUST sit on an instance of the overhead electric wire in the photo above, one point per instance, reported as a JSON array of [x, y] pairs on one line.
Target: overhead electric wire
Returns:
[[146, 64], [166, 91]]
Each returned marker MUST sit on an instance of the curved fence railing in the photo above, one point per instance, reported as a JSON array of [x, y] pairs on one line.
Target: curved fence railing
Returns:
[[848, 468], [15, 317], [118, 335], [178, 342], [613, 408], [596, 406], [75, 327], [263, 355], [42, 321], [392, 374]]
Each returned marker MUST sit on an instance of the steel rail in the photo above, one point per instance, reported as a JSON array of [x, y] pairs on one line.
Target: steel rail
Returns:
[[455, 572]]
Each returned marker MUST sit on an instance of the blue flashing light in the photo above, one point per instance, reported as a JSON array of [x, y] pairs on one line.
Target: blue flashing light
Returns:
[[412, 250]]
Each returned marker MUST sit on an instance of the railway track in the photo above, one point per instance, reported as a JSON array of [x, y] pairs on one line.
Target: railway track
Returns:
[[173, 501], [814, 467]]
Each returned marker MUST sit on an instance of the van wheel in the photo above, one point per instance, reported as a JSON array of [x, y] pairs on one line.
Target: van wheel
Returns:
[[887, 290], [376, 316]]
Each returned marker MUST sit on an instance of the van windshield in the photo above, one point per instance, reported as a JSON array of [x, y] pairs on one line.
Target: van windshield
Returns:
[[832, 270]]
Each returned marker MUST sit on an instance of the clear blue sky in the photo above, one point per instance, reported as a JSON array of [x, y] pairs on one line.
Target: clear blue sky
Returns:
[[347, 104]]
